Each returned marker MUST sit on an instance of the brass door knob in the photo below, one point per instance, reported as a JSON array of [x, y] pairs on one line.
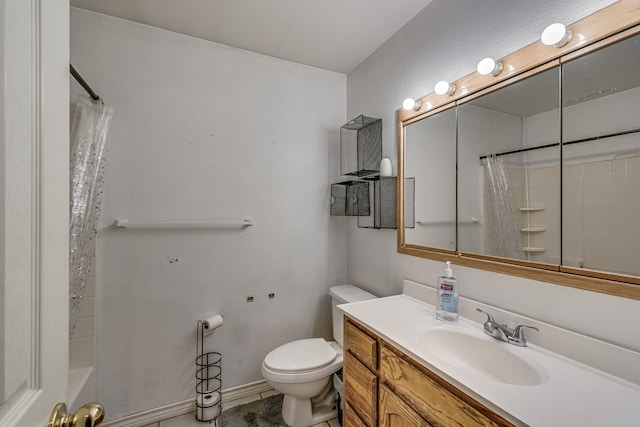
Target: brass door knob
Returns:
[[90, 415]]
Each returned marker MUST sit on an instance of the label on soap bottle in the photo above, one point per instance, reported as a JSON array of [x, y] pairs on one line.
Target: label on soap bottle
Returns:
[[448, 300]]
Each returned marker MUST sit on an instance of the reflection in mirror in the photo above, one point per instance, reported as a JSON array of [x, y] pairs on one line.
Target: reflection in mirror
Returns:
[[601, 176], [430, 151], [508, 171]]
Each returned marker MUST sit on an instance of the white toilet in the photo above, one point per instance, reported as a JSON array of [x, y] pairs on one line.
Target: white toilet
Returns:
[[302, 370]]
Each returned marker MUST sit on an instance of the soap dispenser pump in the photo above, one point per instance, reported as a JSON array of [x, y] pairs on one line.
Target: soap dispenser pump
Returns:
[[447, 296]]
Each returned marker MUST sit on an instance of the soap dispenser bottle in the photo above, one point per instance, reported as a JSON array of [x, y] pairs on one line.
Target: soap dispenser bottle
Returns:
[[447, 296]]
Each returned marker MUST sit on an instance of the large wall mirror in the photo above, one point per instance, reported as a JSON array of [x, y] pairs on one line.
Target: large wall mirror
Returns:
[[536, 173]]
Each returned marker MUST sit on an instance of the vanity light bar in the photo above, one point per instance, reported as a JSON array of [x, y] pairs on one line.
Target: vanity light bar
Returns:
[[556, 35]]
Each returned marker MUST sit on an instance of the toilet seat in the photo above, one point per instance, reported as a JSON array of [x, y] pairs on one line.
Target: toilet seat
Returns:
[[300, 356], [330, 362]]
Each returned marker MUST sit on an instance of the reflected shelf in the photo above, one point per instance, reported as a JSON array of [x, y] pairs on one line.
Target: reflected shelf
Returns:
[[532, 249]]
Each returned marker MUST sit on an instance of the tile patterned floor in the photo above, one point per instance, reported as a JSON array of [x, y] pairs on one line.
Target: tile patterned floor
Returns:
[[189, 420]]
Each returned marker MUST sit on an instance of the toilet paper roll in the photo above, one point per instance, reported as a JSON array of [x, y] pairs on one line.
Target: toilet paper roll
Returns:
[[212, 323], [208, 405]]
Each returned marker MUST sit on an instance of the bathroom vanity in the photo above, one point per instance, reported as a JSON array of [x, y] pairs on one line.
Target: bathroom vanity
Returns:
[[396, 390], [403, 367]]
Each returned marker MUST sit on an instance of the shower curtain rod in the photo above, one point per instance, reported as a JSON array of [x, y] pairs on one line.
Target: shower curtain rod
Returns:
[[577, 141], [94, 96]]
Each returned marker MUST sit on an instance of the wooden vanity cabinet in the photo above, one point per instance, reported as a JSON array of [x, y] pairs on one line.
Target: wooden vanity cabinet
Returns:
[[385, 387]]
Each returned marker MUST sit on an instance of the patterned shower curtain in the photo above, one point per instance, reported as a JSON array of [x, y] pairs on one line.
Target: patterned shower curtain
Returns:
[[502, 235], [89, 139]]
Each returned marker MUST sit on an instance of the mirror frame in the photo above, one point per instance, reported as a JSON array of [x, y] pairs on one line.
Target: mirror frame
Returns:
[[613, 23]]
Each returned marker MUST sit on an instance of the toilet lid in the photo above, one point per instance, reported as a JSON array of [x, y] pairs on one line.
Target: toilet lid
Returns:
[[301, 355]]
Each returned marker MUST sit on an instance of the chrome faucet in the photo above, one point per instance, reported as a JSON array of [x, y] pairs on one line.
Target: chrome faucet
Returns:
[[503, 332]]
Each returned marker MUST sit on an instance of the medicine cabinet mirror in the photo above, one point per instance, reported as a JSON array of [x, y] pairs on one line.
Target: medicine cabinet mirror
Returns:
[[601, 159], [508, 186], [431, 146], [535, 173]]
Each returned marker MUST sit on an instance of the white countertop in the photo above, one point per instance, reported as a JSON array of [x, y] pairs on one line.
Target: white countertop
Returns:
[[571, 393]]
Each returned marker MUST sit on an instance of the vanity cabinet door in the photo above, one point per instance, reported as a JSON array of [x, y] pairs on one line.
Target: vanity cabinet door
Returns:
[[430, 396], [360, 389], [395, 413], [350, 418]]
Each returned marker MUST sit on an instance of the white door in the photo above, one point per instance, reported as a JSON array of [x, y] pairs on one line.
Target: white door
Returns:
[[34, 151]]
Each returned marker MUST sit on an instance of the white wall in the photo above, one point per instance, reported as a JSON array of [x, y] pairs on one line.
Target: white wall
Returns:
[[445, 41], [206, 132]]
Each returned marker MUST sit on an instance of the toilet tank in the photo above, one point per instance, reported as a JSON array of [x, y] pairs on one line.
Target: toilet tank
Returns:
[[340, 295]]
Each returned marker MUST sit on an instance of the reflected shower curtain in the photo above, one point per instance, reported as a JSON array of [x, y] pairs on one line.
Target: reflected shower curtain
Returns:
[[502, 235], [89, 139]]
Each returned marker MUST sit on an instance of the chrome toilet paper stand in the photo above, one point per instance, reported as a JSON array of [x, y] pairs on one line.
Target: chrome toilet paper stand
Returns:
[[208, 380]]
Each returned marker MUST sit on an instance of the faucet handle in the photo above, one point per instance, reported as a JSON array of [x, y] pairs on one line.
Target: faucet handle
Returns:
[[490, 324], [517, 337]]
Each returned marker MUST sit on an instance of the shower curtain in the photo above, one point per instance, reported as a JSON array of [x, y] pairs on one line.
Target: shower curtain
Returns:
[[502, 235], [89, 139]]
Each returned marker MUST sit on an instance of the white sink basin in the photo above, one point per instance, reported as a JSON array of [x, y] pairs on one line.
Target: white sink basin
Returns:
[[482, 354]]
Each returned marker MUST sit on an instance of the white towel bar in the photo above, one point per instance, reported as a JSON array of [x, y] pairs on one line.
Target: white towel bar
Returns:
[[125, 223]]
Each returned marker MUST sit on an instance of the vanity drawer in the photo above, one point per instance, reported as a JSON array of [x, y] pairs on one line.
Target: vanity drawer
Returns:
[[360, 389], [430, 396], [360, 344]]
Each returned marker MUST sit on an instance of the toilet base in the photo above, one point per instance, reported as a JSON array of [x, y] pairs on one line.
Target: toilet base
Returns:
[[298, 412]]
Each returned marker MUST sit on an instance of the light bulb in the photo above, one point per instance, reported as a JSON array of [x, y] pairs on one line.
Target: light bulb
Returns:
[[444, 88], [411, 104], [556, 35], [489, 66]]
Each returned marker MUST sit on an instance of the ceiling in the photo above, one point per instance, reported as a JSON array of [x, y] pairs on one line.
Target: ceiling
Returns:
[[334, 35]]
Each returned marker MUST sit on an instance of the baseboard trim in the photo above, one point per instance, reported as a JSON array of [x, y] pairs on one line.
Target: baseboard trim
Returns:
[[245, 391], [180, 408], [153, 415]]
